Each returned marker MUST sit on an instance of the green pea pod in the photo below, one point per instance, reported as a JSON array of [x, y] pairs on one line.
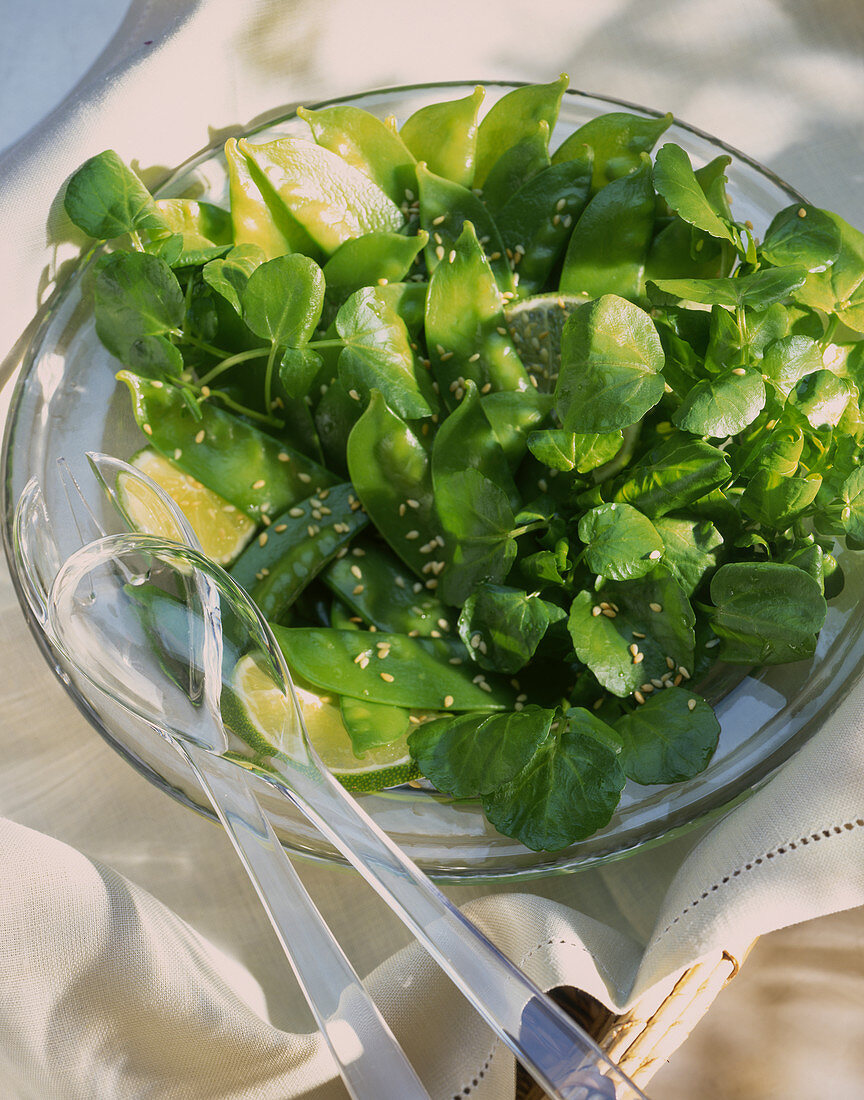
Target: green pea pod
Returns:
[[414, 672], [444, 135], [276, 567], [371, 581], [255, 221], [516, 166], [335, 415], [513, 117], [367, 144], [618, 140], [537, 221], [513, 416], [609, 246], [371, 725], [250, 469], [445, 207], [390, 467], [328, 197], [366, 261], [466, 438], [409, 301], [465, 332]]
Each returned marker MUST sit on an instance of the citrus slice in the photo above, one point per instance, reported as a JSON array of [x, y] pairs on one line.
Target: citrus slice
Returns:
[[255, 709], [536, 324], [222, 530]]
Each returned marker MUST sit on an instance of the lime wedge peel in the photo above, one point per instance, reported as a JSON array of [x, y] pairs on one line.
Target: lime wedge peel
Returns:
[[254, 708], [535, 325]]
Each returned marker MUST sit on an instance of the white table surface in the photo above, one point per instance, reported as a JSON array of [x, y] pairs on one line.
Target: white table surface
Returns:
[[792, 1024]]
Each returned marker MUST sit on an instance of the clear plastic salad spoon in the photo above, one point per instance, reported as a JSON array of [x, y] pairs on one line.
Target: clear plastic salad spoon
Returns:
[[148, 580], [366, 1053]]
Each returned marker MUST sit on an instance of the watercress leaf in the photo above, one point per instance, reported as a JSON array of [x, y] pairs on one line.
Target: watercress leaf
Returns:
[[822, 397], [444, 135], [801, 235], [693, 548], [561, 450], [106, 199], [154, 357], [788, 360], [204, 229], [609, 245], [466, 439], [672, 476], [765, 613], [656, 608], [282, 300], [377, 355], [422, 676], [758, 290], [722, 405], [568, 790], [389, 466], [512, 414], [852, 495], [840, 289], [328, 197], [513, 117], [298, 369], [669, 738], [135, 295], [676, 181], [471, 754], [367, 143], [611, 359], [371, 725], [620, 543], [775, 499], [502, 627], [229, 274], [477, 521], [618, 139]]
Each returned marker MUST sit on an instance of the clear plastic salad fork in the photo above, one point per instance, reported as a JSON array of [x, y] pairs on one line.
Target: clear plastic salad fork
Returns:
[[560, 1056], [118, 654]]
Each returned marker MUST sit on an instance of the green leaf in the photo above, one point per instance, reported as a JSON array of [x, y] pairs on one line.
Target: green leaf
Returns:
[[298, 369], [840, 289], [620, 543], [502, 627], [669, 738], [776, 499], [692, 548], [377, 354], [651, 616], [765, 613], [560, 450], [803, 236], [852, 495], [723, 405], [477, 520], [759, 290], [135, 295], [105, 198], [470, 754], [204, 229], [611, 359], [676, 181], [822, 397], [229, 274], [672, 477], [788, 360], [567, 791], [282, 300]]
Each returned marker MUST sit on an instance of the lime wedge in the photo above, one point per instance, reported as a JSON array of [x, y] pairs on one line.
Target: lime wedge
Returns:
[[222, 530], [536, 324], [254, 708]]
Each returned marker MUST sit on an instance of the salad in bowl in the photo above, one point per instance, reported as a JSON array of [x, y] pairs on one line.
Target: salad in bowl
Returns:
[[535, 449]]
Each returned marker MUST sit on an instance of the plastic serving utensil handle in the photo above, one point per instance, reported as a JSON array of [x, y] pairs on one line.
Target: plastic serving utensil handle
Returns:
[[555, 1050]]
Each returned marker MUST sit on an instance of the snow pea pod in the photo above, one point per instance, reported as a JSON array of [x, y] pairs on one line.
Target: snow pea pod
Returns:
[[269, 226], [516, 166], [536, 222], [367, 144], [371, 581], [370, 260], [390, 668], [335, 415], [445, 207], [465, 331], [328, 197], [609, 246], [390, 469], [253, 471], [372, 724], [513, 117], [618, 139], [466, 438], [278, 565], [444, 135]]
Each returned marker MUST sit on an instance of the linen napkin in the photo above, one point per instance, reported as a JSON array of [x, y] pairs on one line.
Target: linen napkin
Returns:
[[136, 961]]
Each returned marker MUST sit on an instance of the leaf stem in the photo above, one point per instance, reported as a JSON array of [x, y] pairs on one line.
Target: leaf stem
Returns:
[[268, 378], [535, 526], [325, 344], [202, 344], [232, 361]]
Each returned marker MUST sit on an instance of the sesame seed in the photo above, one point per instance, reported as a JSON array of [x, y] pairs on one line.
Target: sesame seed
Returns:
[[359, 656], [358, 588], [608, 612], [402, 509], [312, 530], [639, 697], [677, 681], [354, 395], [655, 555], [443, 624], [178, 454], [431, 584], [448, 700], [295, 512], [412, 535], [413, 503], [633, 649], [683, 671], [441, 218], [455, 660], [439, 251], [305, 478], [656, 607], [670, 664], [638, 634], [647, 688], [387, 677], [262, 539], [802, 213], [739, 371], [364, 662], [691, 704], [597, 704], [283, 457], [265, 519], [147, 429], [258, 484], [638, 658], [199, 438], [356, 572], [399, 582]]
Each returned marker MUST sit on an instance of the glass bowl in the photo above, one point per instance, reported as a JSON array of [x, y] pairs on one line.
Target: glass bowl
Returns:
[[67, 402]]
